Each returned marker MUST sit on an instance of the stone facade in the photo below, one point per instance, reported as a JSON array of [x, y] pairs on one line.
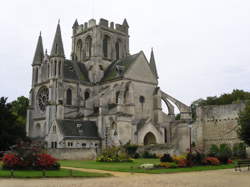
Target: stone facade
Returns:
[[217, 124], [103, 96]]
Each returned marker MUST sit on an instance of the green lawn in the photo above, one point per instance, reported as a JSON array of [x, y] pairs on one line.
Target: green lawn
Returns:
[[51, 174], [133, 166]]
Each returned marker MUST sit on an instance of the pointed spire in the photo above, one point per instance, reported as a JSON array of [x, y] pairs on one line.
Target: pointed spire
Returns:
[[75, 25], [38, 57], [57, 47], [125, 23], [152, 64]]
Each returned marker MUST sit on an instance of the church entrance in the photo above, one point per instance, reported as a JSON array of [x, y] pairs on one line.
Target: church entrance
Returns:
[[149, 139]]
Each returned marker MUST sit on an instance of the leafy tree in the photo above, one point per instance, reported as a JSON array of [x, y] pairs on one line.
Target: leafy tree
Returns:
[[236, 96], [10, 129], [244, 124], [19, 108]]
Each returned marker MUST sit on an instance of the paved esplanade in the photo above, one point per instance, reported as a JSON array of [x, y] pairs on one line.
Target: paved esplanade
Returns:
[[216, 178]]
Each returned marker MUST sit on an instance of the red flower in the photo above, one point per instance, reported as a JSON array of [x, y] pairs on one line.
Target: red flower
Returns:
[[11, 160], [211, 161], [229, 161], [182, 163], [45, 160]]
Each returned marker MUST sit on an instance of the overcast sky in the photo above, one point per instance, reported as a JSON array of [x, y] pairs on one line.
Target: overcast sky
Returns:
[[202, 47]]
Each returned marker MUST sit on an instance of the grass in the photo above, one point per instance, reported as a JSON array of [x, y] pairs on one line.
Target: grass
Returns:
[[133, 166], [50, 174]]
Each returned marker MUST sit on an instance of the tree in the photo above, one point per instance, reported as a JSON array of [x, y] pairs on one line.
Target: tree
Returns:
[[244, 124], [10, 129], [19, 108], [236, 96]]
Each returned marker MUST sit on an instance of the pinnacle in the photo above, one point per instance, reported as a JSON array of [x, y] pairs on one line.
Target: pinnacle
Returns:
[[57, 47], [39, 54], [152, 63]]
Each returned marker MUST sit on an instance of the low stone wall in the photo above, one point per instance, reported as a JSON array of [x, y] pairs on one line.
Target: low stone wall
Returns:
[[158, 149], [73, 154]]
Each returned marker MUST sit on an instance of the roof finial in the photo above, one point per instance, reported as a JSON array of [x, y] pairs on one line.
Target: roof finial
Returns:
[[40, 34], [58, 21]]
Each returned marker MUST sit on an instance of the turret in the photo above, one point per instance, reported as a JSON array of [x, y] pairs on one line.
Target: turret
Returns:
[[37, 60], [75, 26], [57, 58], [125, 25], [57, 54]]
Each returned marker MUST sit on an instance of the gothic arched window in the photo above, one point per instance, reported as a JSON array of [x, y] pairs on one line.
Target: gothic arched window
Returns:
[[117, 97], [105, 44], [86, 95], [79, 50], [55, 68], [48, 70], [88, 46], [69, 97], [59, 68], [36, 75], [117, 50]]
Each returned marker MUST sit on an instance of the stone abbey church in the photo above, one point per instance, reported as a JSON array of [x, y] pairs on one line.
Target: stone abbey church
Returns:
[[103, 95]]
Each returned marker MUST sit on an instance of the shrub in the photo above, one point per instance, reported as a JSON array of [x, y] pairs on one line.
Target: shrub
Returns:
[[225, 153], [229, 161], [114, 154], [213, 151], [182, 163], [166, 158], [11, 161], [239, 150], [211, 161], [168, 165], [180, 157], [147, 154], [190, 159], [131, 150], [28, 156], [45, 161]]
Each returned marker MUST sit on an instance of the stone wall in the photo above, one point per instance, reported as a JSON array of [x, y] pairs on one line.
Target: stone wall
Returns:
[[73, 154], [217, 124]]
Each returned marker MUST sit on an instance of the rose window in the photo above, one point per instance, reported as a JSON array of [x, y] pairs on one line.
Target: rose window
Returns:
[[43, 97]]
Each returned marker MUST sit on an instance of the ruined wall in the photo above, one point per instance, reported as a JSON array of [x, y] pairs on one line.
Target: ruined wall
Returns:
[[217, 124]]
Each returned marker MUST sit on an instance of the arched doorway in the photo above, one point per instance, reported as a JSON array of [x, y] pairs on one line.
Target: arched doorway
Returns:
[[149, 139]]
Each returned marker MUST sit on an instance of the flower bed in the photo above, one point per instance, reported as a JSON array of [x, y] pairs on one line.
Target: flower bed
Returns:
[[29, 157], [196, 158]]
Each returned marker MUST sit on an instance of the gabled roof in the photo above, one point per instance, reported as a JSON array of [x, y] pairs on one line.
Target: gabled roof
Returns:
[[75, 71], [73, 129], [118, 68], [39, 54]]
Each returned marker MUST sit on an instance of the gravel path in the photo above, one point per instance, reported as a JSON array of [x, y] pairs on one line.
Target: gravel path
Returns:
[[215, 178]]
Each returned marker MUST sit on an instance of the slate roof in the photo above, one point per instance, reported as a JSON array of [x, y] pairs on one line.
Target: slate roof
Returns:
[[74, 129], [118, 68], [75, 71]]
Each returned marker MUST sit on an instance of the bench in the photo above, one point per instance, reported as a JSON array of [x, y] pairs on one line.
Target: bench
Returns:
[[240, 163]]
